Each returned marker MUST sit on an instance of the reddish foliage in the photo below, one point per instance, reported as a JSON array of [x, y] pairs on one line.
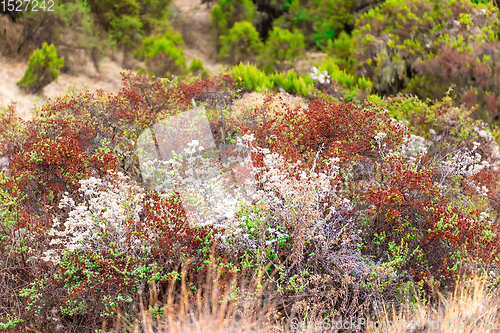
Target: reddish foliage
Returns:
[[345, 131], [86, 133], [401, 200], [164, 224], [474, 80]]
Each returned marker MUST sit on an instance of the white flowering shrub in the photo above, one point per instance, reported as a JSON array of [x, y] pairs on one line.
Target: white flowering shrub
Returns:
[[223, 189], [292, 205], [211, 189], [414, 145], [320, 77], [97, 215], [463, 162], [180, 154]]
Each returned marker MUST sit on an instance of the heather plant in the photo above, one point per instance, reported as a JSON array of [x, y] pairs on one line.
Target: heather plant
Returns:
[[135, 17], [292, 82], [251, 77], [242, 44], [43, 68]]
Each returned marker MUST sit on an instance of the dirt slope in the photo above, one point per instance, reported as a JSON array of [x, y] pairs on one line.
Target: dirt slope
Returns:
[[11, 71], [192, 19]]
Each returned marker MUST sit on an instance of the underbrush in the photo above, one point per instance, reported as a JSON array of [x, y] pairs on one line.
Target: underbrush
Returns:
[[156, 210]]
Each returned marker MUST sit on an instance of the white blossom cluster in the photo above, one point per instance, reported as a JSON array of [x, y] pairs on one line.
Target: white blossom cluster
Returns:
[[484, 216], [320, 77], [103, 206], [213, 192], [414, 145], [466, 162], [297, 201], [306, 193], [380, 136], [99, 206], [481, 190], [489, 147]]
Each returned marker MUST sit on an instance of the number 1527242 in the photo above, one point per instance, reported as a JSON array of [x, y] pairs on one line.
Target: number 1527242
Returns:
[[27, 5]]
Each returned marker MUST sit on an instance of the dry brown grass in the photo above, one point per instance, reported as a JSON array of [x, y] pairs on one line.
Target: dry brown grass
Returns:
[[239, 307], [470, 304], [471, 307]]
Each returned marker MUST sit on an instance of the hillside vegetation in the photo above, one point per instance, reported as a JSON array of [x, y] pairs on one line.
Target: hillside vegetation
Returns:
[[363, 190]]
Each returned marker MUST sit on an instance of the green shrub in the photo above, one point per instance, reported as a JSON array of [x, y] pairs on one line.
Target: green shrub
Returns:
[[161, 55], [128, 21], [227, 12], [70, 27], [342, 49], [121, 19], [281, 46], [125, 31], [453, 125], [241, 44], [344, 86], [293, 83], [252, 78], [151, 13], [196, 68], [403, 40], [43, 68], [318, 20]]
